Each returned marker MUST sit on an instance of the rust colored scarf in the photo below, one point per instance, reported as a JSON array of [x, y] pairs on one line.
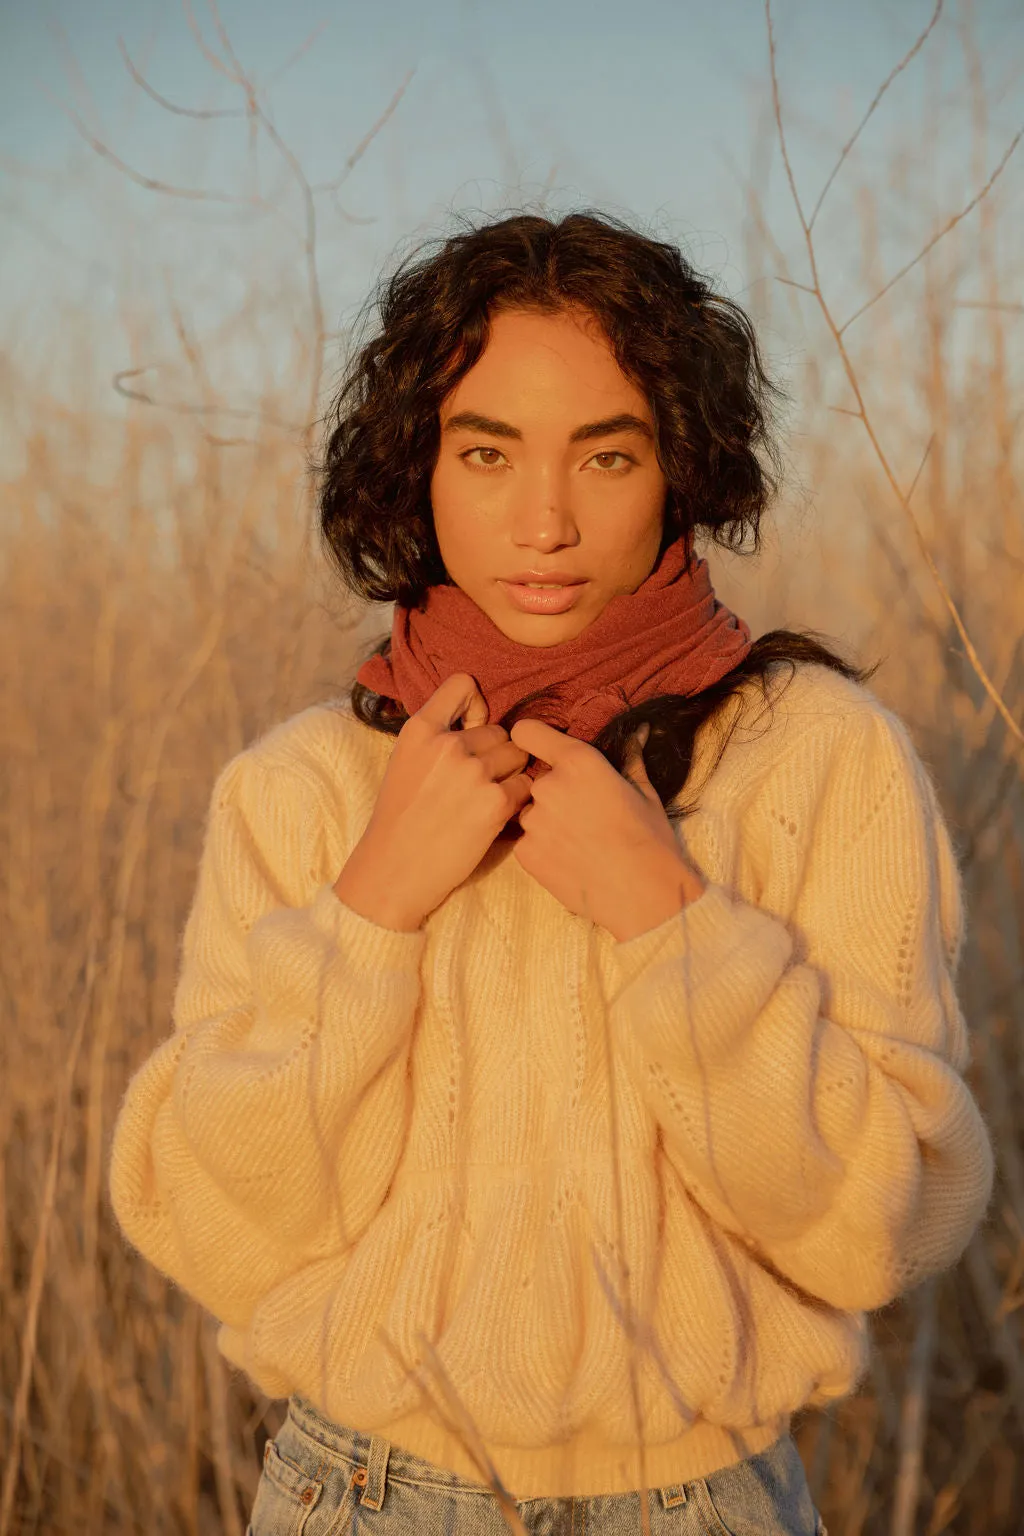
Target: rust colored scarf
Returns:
[[671, 635]]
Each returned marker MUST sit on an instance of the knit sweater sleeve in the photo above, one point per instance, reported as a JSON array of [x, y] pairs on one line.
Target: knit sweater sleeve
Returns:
[[266, 1129], [807, 1073]]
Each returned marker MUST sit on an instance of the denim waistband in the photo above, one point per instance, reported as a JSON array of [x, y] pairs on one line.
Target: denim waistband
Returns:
[[375, 1459]]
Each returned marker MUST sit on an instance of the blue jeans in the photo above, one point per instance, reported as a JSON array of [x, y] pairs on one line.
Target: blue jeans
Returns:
[[323, 1479]]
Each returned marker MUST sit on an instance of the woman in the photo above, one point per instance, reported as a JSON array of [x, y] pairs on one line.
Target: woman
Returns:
[[538, 1148]]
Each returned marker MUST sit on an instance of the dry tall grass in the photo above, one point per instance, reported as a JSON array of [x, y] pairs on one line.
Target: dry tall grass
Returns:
[[160, 605]]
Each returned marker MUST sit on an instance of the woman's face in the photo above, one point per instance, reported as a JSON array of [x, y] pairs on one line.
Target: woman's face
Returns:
[[523, 488]]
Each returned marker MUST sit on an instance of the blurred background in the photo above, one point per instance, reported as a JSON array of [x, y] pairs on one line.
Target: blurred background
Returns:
[[196, 202]]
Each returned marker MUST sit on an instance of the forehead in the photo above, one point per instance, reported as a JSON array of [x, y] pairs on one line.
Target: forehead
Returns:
[[569, 327], [531, 356]]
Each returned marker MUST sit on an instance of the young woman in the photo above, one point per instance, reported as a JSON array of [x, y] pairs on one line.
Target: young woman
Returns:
[[542, 1139]]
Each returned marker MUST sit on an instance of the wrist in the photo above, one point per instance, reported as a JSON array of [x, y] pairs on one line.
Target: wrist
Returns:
[[361, 887], [669, 887]]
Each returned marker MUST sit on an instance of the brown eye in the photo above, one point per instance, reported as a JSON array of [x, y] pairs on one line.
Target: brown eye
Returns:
[[489, 465]]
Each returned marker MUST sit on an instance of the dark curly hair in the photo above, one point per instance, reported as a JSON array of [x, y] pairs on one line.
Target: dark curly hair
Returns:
[[692, 352]]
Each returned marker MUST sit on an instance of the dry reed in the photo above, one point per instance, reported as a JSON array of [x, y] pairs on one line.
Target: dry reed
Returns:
[[137, 664]]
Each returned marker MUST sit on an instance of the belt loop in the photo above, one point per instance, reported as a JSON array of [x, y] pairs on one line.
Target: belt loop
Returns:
[[376, 1472], [673, 1494]]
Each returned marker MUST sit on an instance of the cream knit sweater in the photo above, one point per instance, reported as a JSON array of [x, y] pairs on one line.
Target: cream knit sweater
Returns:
[[353, 1129]]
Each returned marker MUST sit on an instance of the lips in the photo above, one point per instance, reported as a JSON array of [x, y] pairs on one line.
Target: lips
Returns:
[[553, 597]]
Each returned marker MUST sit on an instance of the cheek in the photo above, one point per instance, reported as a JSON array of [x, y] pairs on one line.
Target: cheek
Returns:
[[443, 505], [450, 497]]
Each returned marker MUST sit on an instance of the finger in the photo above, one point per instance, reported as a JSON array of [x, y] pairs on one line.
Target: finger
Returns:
[[636, 743], [458, 696]]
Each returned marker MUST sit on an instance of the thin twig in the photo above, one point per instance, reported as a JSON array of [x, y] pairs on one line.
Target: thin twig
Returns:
[[950, 224], [293, 58], [171, 106], [1004, 1339], [851, 375], [1010, 309], [307, 193], [914, 1417], [878, 96], [979, 1437], [241, 73], [461, 1426], [309, 207], [924, 460], [366, 140], [194, 194], [184, 408], [37, 1272], [214, 61], [985, 818], [220, 1434]]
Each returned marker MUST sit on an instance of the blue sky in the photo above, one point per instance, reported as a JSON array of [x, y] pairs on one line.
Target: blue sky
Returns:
[[657, 111]]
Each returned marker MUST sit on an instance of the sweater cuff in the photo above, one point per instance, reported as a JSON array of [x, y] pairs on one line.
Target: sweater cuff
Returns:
[[365, 943]]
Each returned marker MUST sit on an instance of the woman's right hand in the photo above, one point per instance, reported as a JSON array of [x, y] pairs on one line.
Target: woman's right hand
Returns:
[[443, 800]]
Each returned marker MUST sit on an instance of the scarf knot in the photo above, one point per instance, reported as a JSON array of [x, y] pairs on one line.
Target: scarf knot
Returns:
[[589, 715]]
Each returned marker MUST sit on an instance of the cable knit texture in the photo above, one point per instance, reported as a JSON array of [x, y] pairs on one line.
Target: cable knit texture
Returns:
[[358, 1141]]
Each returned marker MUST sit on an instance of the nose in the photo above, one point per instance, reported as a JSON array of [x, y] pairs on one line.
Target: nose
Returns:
[[542, 518]]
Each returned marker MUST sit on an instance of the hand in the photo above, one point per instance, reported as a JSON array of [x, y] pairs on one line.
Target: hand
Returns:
[[598, 840], [443, 800]]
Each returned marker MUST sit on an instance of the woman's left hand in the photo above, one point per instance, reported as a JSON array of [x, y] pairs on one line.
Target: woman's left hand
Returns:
[[598, 840]]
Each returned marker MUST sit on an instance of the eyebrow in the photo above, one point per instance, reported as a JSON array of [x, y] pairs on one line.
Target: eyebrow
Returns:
[[474, 422]]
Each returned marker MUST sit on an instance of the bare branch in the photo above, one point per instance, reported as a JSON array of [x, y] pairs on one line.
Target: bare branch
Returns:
[[171, 106], [844, 410], [353, 218], [71, 65], [213, 59], [193, 194], [763, 229], [294, 58], [457, 1421], [923, 618], [914, 1415], [193, 355], [792, 283], [258, 112], [782, 137], [878, 96], [937, 237], [924, 460], [1015, 309], [1007, 777], [851, 375], [367, 139], [242, 75], [182, 408]]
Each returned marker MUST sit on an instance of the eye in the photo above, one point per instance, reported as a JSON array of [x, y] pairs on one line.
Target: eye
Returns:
[[613, 453], [605, 469], [481, 450]]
